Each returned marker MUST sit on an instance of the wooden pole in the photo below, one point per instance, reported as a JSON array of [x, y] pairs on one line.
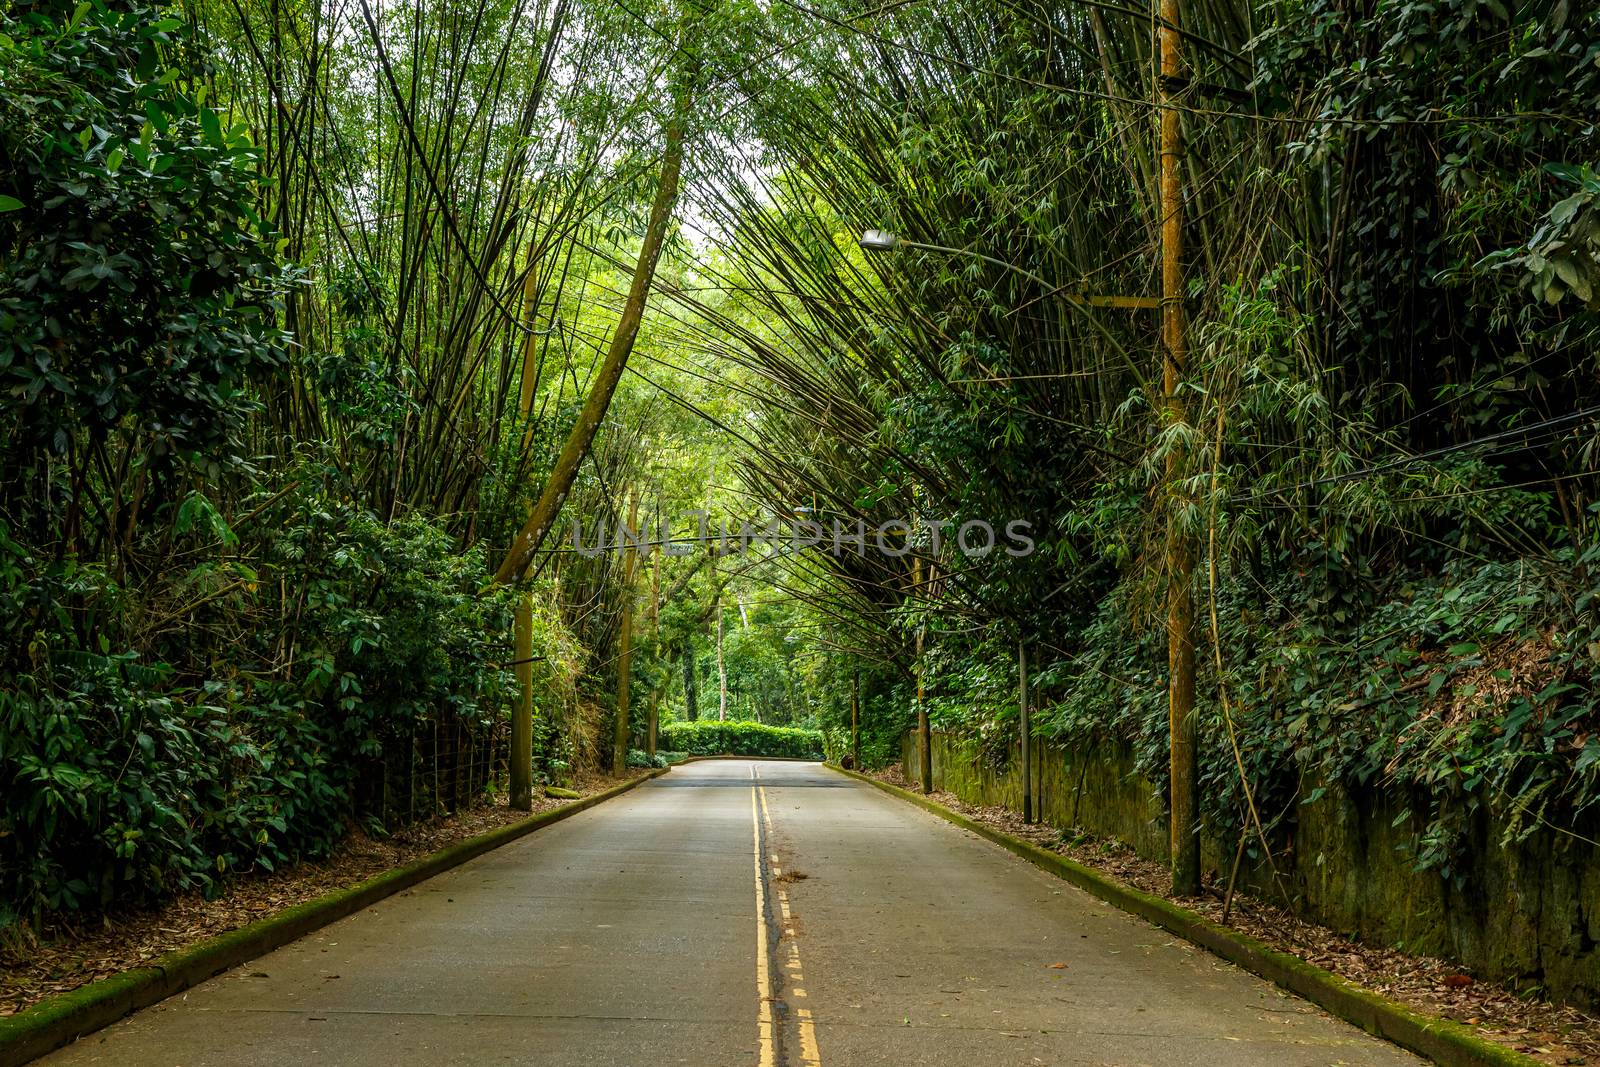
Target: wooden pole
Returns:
[[924, 729], [855, 720], [522, 709], [1027, 731], [619, 749], [655, 643], [1184, 779]]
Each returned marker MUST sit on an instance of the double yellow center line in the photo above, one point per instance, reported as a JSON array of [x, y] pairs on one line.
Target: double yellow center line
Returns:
[[793, 979]]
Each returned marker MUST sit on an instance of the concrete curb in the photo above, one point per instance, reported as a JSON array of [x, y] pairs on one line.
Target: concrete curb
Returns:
[[1439, 1040], [66, 1017]]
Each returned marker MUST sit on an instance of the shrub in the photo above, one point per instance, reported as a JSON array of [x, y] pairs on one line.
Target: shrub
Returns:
[[138, 292], [119, 787], [708, 738], [390, 622], [127, 775]]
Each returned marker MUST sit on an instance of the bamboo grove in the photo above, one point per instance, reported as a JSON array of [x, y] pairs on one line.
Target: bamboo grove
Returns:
[[322, 320]]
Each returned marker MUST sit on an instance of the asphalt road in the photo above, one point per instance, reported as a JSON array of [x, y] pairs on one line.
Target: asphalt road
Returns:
[[738, 912]]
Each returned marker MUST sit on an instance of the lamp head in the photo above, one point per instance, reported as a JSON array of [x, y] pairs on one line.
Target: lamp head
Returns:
[[879, 241]]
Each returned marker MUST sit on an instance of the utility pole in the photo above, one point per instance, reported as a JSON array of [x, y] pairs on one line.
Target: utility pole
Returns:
[[619, 750], [855, 720], [1027, 731], [655, 644], [522, 707], [1184, 782], [924, 730]]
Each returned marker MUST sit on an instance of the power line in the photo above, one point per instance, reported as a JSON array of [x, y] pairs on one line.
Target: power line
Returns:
[[1437, 453]]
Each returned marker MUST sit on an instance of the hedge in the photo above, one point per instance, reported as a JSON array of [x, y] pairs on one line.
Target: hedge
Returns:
[[711, 738]]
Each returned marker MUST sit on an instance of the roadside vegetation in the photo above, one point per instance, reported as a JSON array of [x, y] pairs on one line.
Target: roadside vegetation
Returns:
[[712, 738]]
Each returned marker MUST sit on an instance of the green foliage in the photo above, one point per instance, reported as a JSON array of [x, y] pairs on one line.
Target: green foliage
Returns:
[[126, 778], [885, 713], [392, 619], [759, 660], [733, 738], [243, 520], [138, 289], [1563, 255], [120, 789], [1379, 447], [1471, 690], [235, 580], [1432, 127]]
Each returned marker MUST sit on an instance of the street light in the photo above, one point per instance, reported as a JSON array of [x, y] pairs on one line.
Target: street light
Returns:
[[1184, 774], [879, 241], [886, 241]]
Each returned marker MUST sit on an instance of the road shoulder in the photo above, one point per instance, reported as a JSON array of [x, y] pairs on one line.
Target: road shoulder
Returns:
[[1441, 1041], [61, 1019]]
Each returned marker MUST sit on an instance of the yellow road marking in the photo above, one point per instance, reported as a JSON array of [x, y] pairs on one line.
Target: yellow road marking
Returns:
[[806, 1027], [769, 1050]]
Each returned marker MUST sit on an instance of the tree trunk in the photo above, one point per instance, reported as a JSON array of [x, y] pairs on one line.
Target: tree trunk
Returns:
[[559, 484], [924, 728], [521, 770], [655, 648], [722, 669], [650, 734], [691, 697], [855, 720]]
